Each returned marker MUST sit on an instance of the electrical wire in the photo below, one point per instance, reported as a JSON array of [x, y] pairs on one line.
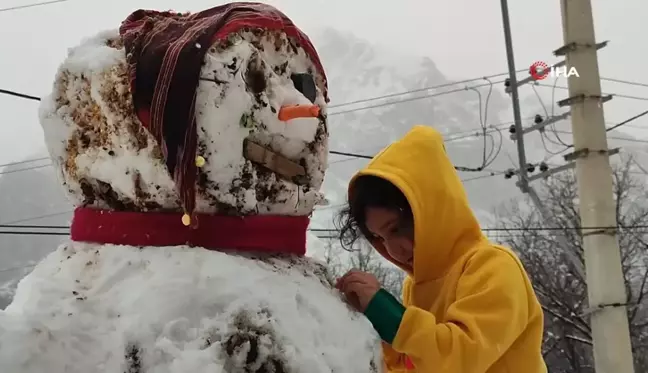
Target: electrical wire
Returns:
[[487, 160], [354, 156], [532, 229], [24, 169], [553, 111], [616, 126], [392, 95], [12, 224], [32, 5], [630, 97], [38, 217], [18, 94], [364, 156], [410, 99], [543, 133], [460, 168], [444, 85], [628, 82], [526, 229], [23, 162]]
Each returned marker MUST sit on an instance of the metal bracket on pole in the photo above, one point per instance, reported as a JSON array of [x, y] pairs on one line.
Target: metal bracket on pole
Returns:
[[582, 153], [541, 125], [574, 46], [555, 170], [583, 97], [571, 157]]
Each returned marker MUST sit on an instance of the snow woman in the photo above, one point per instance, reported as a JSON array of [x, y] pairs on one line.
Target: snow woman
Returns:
[[193, 148]]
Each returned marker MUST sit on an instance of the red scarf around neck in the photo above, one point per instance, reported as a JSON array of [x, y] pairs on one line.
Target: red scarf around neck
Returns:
[[257, 233]]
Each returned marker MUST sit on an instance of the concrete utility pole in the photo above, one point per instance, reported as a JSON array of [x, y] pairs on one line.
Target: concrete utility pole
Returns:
[[605, 284], [604, 277], [523, 178]]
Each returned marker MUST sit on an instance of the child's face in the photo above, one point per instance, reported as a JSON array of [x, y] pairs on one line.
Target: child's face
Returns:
[[395, 234]]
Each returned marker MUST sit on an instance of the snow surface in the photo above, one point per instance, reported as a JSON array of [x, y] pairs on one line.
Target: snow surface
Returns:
[[90, 308], [106, 158]]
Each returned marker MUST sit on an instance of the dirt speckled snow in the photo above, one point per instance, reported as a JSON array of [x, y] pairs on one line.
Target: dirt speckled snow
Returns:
[[92, 308], [107, 159]]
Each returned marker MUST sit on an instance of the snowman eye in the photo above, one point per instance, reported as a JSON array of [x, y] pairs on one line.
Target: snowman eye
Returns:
[[305, 84]]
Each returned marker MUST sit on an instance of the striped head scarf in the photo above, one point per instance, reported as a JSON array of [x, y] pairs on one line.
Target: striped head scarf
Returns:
[[165, 53]]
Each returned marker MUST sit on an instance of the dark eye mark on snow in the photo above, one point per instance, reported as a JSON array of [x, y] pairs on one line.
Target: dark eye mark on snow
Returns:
[[255, 75], [305, 84], [133, 359]]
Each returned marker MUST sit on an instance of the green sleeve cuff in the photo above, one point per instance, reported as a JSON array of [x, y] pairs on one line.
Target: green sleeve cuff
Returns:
[[385, 313]]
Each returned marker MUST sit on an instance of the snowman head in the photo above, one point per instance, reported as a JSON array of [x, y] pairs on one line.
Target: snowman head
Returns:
[[261, 136]]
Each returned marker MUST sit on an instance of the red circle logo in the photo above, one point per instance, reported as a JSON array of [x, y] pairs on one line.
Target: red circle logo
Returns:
[[539, 70]]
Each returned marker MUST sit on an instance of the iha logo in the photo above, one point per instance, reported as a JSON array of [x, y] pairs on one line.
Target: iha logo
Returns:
[[540, 70]]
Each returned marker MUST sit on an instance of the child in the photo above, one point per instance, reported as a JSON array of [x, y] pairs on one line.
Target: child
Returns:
[[468, 305]]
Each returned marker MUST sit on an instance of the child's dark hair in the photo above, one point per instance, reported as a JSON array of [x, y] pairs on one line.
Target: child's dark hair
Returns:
[[368, 191]]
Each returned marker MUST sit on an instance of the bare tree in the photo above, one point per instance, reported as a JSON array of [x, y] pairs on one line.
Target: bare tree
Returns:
[[562, 292], [364, 258]]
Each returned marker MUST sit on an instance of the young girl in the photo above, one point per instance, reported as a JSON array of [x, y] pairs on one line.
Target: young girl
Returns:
[[468, 305]]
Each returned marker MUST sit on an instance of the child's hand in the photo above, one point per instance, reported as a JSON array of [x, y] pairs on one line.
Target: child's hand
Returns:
[[359, 288]]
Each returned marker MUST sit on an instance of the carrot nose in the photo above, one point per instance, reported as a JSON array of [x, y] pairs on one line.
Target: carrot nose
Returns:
[[287, 113]]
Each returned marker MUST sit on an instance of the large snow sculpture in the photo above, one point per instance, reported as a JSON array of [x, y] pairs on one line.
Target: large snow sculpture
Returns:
[[178, 138]]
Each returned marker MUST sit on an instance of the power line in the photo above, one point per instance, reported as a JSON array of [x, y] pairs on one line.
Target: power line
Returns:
[[627, 121], [625, 82], [528, 229], [403, 93], [23, 162], [32, 5], [25, 169], [525, 229], [12, 224], [38, 217], [18, 94], [492, 174], [623, 123], [395, 102], [608, 93], [392, 95], [28, 233], [464, 135]]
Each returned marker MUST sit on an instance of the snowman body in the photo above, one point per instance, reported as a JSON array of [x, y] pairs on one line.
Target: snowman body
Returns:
[[102, 308]]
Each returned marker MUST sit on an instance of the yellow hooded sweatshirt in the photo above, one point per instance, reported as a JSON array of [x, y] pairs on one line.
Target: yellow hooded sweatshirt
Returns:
[[468, 305]]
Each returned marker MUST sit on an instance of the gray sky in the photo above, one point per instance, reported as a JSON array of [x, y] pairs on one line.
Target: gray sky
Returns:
[[463, 37]]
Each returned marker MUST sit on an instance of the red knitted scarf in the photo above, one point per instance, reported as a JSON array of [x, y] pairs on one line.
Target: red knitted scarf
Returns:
[[258, 233]]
